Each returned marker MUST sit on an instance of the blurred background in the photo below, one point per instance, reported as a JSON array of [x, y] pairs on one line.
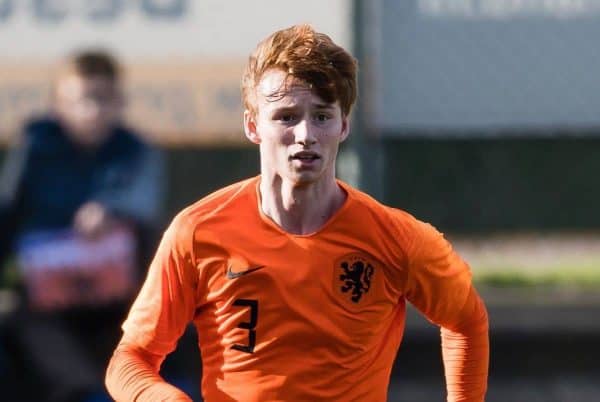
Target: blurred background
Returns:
[[479, 116]]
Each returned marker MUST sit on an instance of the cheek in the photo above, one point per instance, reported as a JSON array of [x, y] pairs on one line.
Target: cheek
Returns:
[[333, 128], [287, 138], [277, 136], [333, 133], [274, 146]]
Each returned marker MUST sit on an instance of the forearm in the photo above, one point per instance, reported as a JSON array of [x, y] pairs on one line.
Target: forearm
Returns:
[[465, 350], [132, 375]]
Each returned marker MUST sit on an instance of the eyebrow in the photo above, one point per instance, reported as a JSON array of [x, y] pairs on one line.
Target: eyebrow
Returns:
[[318, 106], [325, 106]]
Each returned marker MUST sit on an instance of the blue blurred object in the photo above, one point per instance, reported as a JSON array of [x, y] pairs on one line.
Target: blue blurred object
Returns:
[[100, 396], [185, 384]]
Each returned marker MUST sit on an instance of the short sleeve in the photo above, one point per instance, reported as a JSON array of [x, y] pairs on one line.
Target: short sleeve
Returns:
[[167, 301]]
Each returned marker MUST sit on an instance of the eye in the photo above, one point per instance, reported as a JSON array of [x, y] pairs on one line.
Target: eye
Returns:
[[285, 117], [322, 117]]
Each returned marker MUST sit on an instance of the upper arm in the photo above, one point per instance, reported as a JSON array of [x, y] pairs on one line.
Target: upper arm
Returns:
[[167, 301], [438, 280]]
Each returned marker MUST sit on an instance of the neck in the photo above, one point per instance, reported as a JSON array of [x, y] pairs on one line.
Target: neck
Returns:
[[300, 209]]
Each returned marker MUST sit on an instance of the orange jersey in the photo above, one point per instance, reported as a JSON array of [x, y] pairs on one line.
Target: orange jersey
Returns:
[[301, 317]]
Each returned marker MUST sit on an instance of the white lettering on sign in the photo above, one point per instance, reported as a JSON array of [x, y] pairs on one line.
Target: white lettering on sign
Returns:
[[183, 58], [94, 11], [503, 9], [157, 30]]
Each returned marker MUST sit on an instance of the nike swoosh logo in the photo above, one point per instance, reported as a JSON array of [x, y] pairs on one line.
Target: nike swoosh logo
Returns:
[[233, 275]]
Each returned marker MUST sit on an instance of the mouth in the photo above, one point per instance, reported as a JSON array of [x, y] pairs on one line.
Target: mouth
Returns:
[[305, 156]]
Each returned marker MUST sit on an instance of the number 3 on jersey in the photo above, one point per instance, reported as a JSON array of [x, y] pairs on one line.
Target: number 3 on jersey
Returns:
[[248, 325]]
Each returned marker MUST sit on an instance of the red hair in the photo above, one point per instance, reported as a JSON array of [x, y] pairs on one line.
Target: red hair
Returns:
[[309, 56]]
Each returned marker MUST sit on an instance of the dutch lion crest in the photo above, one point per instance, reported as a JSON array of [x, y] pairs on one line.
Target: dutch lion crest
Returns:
[[356, 277]]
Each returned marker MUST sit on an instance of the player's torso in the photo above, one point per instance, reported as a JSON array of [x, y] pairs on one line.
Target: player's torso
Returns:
[[304, 317]]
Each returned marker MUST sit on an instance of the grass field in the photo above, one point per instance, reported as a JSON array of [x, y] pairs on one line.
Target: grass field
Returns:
[[526, 260], [573, 276]]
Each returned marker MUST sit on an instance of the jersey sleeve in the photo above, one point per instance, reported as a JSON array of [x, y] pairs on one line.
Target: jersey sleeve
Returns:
[[439, 285], [438, 280], [164, 307], [167, 301], [132, 375]]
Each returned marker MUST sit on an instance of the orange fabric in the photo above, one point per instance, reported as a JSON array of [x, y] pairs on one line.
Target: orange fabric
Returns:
[[138, 377], [316, 317]]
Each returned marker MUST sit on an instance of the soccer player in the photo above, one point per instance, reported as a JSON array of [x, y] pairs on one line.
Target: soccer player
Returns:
[[296, 282]]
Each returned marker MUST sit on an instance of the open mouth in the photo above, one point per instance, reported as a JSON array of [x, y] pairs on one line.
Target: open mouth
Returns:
[[305, 156]]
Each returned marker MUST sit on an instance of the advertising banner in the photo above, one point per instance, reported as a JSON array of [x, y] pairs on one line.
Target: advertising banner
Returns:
[[183, 58]]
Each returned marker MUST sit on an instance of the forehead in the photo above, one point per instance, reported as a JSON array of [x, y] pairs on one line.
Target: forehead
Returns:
[[278, 89]]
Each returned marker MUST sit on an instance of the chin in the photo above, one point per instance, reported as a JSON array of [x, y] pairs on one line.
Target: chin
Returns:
[[304, 178]]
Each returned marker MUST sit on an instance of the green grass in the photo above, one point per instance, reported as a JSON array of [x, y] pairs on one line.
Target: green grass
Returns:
[[586, 276]]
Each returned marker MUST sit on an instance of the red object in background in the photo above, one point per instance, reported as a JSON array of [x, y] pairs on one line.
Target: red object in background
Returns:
[[62, 269]]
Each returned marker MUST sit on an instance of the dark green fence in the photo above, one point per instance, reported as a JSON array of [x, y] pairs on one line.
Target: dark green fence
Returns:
[[496, 184], [460, 185]]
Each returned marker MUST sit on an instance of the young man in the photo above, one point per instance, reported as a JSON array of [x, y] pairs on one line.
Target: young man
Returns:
[[75, 196], [296, 282]]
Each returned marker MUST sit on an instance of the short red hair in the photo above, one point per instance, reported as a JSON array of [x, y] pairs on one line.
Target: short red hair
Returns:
[[309, 56]]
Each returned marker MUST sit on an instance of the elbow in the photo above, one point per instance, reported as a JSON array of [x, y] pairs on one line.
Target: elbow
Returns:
[[472, 319], [109, 377], [120, 372], [480, 317], [131, 372]]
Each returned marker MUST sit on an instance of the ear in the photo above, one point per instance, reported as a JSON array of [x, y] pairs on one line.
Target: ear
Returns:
[[250, 127], [345, 128]]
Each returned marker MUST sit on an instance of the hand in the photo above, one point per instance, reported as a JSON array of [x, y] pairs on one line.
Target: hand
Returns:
[[92, 219]]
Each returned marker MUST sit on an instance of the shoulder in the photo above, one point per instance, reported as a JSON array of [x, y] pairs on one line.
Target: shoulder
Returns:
[[406, 230], [42, 132], [126, 141], [226, 199], [365, 204], [41, 125], [208, 217], [130, 136]]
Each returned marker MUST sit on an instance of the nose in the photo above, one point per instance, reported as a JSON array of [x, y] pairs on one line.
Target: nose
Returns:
[[304, 133], [91, 110]]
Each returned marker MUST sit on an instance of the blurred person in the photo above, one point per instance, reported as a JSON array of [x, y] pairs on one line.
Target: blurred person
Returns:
[[79, 198], [296, 282]]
